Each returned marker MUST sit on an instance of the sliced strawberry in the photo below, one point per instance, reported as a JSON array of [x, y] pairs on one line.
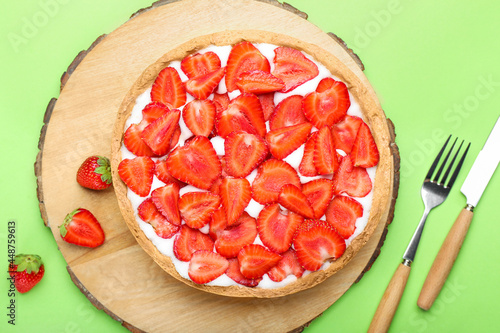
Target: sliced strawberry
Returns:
[[232, 239], [293, 67], [158, 134], [277, 227], [134, 143], [306, 166], [221, 102], [288, 265], [319, 192], [292, 198], [200, 64], [218, 222], [137, 174], [188, 241], [318, 244], [243, 153], [148, 212], [325, 154], [351, 180], [327, 107], [166, 199], [235, 195], [344, 132], [244, 57], [233, 271], [195, 163], [153, 111], [206, 266], [244, 113], [199, 116], [255, 260], [202, 86], [267, 103], [272, 175], [288, 112], [169, 89], [258, 82], [197, 208], [163, 175], [283, 141], [364, 150], [342, 214], [80, 227]]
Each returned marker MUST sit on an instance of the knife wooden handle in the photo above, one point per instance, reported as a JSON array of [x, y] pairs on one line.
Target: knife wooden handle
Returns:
[[444, 260], [390, 300]]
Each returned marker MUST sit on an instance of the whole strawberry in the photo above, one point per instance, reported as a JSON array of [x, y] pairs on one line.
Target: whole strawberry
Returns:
[[27, 270], [95, 173], [80, 227]]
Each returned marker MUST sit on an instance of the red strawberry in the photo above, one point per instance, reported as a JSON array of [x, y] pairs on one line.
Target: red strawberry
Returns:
[[235, 195], [344, 133], [26, 270], [221, 101], [94, 173], [233, 271], [166, 199], [342, 214], [288, 112], [317, 244], [255, 260], [283, 141], [267, 103], [351, 180], [277, 227], [272, 175], [199, 116], [158, 134], [206, 266], [325, 84], [162, 174], [197, 208], [293, 67], [319, 192], [327, 107], [195, 163], [292, 198], [169, 89], [244, 57], [232, 239], [258, 82], [289, 264], [307, 167], [243, 153], [244, 113], [364, 150], [137, 174], [325, 154], [218, 222], [202, 86], [200, 64], [148, 212], [188, 241], [80, 227]]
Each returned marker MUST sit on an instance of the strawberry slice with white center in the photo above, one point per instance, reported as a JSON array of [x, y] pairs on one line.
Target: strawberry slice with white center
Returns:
[[166, 199], [351, 180], [277, 227], [158, 134], [325, 154], [244, 57], [272, 175], [319, 192], [255, 261], [233, 271], [283, 141], [306, 166], [196, 163], [235, 195], [163, 175], [291, 66], [206, 266], [137, 174], [244, 113], [258, 82], [364, 150], [267, 103], [202, 86], [199, 116], [344, 132], [169, 89], [292, 198], [188, 241], [342, 214], [148, 212], [288, 265], [317, 242], [218, 222], [232, 239], [288, 112], [243, 153], [200, 64], [197, 207]]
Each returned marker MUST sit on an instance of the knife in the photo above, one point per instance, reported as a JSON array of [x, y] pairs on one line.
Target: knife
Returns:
[[473, 187]]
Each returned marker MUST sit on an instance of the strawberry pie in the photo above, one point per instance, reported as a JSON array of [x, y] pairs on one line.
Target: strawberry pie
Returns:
[[251, 164]]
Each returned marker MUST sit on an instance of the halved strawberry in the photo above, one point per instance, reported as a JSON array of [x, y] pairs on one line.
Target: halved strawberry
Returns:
[[188, 241], [243, 153], [277, 227], [153, 111], [244, 113], [288, 112], [158, 134], [364, 150], [137, 174], [232, 239], [289, 264], [351, 180], [258, 82], [221, 102], [202, 86], [163, 175], [255, 260], [317, 244], [244, 57], [291, 66], [344, 132], [218, 222], [197, 208], [206, 266], [233, 271], [306, 166], [319, 192], [327, 107], [166, 199], [148, 212], [283, 141], [199, 116], [169, 89], [195, 163], [200, 64], [80, 227], [342, 214], [267, 103], [272, 175], [292, 198], [235, 195], [325, 154]]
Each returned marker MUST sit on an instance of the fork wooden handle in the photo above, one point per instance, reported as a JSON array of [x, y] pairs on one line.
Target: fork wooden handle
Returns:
[[444, 260]]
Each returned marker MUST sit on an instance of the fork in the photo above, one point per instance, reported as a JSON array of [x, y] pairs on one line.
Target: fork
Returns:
[[434, 191]]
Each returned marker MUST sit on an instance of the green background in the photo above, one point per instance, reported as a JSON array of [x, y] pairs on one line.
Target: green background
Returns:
[[435, 68]]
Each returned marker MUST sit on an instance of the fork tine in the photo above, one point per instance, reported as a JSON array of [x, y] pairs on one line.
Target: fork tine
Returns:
[[436, 177], [445, 176], [457, 169], [436, 160]]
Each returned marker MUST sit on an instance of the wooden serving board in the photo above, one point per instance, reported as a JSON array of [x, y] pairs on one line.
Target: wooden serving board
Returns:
[[119, 277]]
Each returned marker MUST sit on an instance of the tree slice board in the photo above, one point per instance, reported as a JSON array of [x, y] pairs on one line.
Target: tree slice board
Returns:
[[119, 277]]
